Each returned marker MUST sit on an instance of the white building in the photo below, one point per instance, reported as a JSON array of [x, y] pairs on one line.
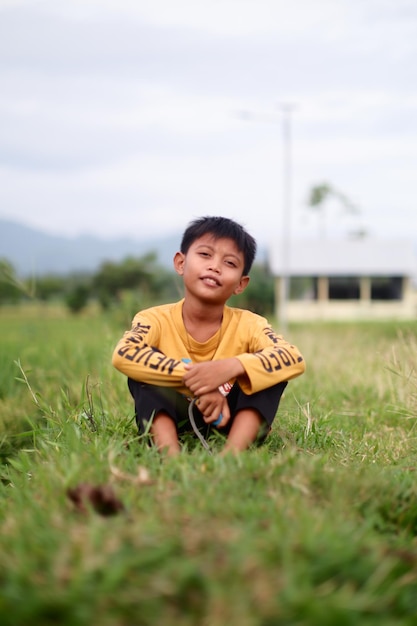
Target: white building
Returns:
[[346, 279]]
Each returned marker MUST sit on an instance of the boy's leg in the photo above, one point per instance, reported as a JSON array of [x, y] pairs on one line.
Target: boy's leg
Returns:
[[252, 415], [164, 407], [156, 406], [164, 434], [244, 430]]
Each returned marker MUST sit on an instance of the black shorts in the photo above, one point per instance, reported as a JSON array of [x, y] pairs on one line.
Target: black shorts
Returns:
[[151, 400]]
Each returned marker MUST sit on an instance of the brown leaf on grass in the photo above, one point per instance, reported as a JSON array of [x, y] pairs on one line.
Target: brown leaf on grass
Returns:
[[99, 497]]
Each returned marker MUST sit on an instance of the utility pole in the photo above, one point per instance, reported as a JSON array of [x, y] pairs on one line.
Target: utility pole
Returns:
[[284, 284], [282, 293]]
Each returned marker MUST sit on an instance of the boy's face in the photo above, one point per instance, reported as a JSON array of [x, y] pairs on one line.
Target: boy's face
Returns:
[[212, 269]]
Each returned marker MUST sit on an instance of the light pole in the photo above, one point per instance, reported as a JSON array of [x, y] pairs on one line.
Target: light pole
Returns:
[[284, 283], [282, 293]]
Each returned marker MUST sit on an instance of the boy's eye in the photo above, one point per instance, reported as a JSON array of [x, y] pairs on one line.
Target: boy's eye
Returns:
[[231, 263]]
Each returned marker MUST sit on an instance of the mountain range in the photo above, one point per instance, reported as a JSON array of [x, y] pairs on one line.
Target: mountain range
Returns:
[[34, 252]]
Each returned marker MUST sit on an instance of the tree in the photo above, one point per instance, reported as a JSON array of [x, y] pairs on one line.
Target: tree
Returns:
[[12, 289], [318, 197], [259, 294], [142, 275], [49, 286], [77, 299]]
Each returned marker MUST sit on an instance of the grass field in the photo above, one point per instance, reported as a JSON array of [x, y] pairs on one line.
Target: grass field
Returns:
[[316, 527]]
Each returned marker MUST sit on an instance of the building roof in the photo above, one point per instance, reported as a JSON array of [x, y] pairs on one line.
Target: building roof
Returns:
[[345, 257]]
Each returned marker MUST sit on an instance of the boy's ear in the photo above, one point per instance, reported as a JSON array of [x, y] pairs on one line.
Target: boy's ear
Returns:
[[244, 281], [179, 259]]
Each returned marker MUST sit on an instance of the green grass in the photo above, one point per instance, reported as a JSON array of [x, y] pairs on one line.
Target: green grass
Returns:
[[316, 527]]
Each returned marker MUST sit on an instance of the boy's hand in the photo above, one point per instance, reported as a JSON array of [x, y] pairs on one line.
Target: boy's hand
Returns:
[[201, 378], [211, 406]]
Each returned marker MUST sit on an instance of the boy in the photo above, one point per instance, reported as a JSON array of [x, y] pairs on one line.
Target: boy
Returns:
[[228, 359]]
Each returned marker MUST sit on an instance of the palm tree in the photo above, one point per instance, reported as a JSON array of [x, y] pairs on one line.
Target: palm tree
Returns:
[[318, 196]]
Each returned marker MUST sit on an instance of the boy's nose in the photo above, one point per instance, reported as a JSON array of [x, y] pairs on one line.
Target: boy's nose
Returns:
[[214, 265]]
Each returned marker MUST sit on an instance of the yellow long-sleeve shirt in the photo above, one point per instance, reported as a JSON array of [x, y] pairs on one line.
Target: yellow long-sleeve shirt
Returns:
[[156, 348]]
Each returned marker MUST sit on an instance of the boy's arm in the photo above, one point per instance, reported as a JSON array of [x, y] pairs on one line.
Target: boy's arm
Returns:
[[205, 377], [213, 405], [136, 357], [273, 360]]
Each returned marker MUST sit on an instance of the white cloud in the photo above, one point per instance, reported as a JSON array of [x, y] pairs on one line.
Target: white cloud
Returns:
[[217, 17], [119, 117]]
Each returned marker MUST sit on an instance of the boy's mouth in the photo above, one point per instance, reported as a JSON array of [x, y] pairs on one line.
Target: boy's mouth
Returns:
[[209, 280]]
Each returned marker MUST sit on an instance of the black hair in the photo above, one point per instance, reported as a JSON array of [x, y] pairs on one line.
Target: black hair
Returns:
[[221, 227]]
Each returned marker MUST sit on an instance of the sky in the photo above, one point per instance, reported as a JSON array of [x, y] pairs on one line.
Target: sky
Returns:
[[132, 117]]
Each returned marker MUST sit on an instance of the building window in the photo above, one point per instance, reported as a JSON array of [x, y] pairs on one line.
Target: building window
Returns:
[[386, 288], [303, 288], [344, 288], [347, 288]]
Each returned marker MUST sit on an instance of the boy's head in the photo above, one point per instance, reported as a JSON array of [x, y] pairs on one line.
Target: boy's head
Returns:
[[221, 228]]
